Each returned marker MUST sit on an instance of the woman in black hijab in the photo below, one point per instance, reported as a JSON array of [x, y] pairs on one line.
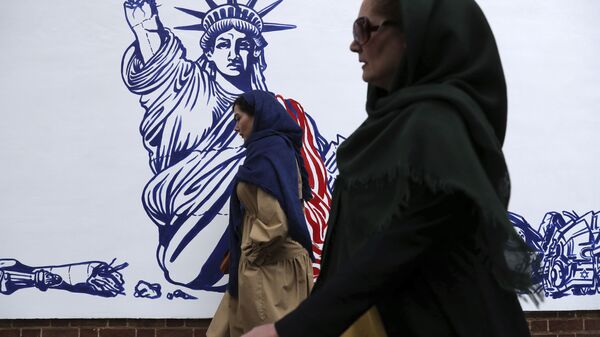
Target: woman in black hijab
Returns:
[[419, 242]]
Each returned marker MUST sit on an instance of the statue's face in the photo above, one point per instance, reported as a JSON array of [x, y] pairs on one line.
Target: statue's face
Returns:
[[230, 53]]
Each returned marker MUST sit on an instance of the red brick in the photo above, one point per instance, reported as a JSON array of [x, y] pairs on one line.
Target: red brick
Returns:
[[541, 314], [116, 333], [567, 335], [591, 324], [589, 314], [146, 323], [197, 323], [10, 333], [117, 322], [5, 323], [96, 323], [52, 332], [174, 333], [86, 332], [538, 326], [146, 333], [566, 325], [59, 322], [543, 335], [588, 334], [31, 332], [199, 332], [567, 314], [34, 323], [174, 323]]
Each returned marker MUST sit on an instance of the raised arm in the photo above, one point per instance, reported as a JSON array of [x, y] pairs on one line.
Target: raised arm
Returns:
[[142, 17]]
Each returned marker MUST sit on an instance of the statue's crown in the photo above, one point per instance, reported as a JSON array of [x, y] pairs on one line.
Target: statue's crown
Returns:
[[233, 10]]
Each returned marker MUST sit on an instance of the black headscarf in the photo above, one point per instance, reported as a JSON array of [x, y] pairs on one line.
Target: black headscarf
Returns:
[[442, 126], [272, 163]]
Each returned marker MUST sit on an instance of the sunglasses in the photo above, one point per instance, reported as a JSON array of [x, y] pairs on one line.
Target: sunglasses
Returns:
[[362, 29]]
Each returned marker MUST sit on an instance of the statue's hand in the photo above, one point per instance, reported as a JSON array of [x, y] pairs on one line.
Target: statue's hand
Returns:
[[141, 14], [142, 17]]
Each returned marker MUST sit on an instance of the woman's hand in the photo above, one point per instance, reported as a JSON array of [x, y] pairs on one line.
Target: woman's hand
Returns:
[[267, 330]]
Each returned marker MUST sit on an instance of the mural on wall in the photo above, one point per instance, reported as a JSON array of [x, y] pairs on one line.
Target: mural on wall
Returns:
[[567, 247], [187, 129], [145, 289], [93, 277]]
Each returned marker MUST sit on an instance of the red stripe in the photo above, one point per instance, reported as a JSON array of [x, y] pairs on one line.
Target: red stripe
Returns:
[[316, 210]]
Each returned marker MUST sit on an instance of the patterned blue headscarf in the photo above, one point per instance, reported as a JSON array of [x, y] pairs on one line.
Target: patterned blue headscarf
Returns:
[[272, 153]]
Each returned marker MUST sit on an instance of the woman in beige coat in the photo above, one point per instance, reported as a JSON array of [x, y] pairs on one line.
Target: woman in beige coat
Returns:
[[270, 268]]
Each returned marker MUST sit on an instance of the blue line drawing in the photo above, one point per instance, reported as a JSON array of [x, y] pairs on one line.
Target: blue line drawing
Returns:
[[187, 128], [180, 294], [93, 277], [328, 152], [567, 246], [149, 290]]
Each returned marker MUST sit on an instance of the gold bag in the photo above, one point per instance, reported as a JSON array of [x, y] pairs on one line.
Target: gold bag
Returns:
[[367, 325]]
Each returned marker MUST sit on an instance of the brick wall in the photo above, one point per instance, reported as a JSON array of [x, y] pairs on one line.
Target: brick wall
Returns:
[[564, 323], [104, 328], [541, 324]]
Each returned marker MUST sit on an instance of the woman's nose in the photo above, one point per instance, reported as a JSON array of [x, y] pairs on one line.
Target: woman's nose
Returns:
[[354, 46]]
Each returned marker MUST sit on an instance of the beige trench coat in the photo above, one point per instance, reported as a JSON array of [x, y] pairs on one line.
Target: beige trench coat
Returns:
[[275, 272]]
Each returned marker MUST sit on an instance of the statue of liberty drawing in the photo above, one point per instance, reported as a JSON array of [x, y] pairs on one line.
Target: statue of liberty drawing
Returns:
[[187, 129]]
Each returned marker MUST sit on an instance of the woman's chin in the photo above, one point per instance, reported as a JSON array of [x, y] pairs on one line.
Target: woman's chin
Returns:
[[366, 77]]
